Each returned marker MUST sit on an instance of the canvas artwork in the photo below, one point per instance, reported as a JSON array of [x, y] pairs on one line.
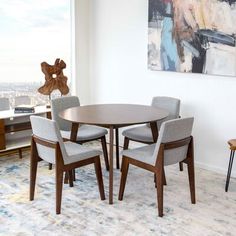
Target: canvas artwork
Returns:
[[196, 36]]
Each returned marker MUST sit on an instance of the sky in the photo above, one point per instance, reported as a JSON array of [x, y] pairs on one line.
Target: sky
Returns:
[[32, 32]]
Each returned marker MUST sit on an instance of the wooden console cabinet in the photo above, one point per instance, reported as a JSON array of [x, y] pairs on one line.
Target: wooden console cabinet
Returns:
[[15, 129]]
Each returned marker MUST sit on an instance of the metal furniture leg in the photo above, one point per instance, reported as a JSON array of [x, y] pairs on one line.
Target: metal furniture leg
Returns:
[[229, 170]]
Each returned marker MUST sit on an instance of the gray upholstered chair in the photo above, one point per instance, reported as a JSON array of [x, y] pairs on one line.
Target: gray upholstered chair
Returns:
[[47, 144], [4, 104], [143, 133], [174, 145], [86, 132]]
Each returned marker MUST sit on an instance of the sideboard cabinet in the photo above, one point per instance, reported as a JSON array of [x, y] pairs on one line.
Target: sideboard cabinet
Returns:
[[15, 129]]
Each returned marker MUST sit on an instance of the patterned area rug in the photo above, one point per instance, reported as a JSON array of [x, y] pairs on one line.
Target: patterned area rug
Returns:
[[83, 213]]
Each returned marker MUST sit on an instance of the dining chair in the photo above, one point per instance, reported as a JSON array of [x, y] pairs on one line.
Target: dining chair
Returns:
[[143, 133], [47, 144], [86, 133], [174, 145]]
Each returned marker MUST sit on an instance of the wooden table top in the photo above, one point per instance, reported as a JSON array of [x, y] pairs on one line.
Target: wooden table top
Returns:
[[113, 114]]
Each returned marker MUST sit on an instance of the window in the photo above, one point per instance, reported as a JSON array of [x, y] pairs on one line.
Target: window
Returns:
[[32, 32]]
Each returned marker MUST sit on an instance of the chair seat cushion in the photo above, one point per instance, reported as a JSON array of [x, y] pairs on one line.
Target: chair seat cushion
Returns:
[[141, 133], [143, 154], [86, 132], [146, 154], [76, 152]]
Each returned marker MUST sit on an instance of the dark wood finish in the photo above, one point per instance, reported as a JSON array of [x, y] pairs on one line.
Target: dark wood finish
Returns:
[[158, 170], [105, 154], [34, 158], [154, 129], [117, 149], [112, 116], [98, 171], [73, 137], [2, 135], [49, 115], [111, 165], [4, 129], [117, 115], [20, 153], [181, 166], [17, 127], [50, 166], [74, 131], [126, 143], [60, 169]]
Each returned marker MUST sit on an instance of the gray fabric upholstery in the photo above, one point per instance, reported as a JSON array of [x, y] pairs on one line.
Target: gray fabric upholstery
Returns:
[[85, 132], [170, 131], [143, 133], [172, 105], [4, 104], [76, 152], [48, 130], [60, 104], [144, 154]]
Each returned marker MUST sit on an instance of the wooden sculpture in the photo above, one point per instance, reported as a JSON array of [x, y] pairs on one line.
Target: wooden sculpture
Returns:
[[54, 78]]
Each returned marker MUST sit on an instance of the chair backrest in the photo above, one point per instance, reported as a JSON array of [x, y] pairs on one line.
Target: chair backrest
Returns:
[[48, 131], [4, 104], [22, 100], [172, 105], [60, 104], [171, 131]]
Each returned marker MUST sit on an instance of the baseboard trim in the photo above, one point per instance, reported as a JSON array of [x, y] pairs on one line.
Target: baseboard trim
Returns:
[[214, 169]]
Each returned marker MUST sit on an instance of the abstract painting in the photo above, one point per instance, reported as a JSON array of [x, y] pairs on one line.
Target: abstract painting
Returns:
[[196, 36]]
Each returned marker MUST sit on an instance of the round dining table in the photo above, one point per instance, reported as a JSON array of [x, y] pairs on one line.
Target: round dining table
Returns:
[[113, 117]]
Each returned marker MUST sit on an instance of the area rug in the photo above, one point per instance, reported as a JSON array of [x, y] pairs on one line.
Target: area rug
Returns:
[[83, 213]]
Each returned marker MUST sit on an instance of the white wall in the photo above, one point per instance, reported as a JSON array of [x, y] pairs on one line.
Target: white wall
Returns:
[[118, 73], [80, 49]]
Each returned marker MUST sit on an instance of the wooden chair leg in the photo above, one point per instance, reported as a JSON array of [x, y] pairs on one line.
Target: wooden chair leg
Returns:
[[20, 153], [98, 171], [66, 179], [124, 173], [105, 154], [126, 143], [50, 166], [117, 149], [159, 181], [59, 183], [163, 180], [70, 173], [73, 174], [181, 166], [191, 180], [33, 173]]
